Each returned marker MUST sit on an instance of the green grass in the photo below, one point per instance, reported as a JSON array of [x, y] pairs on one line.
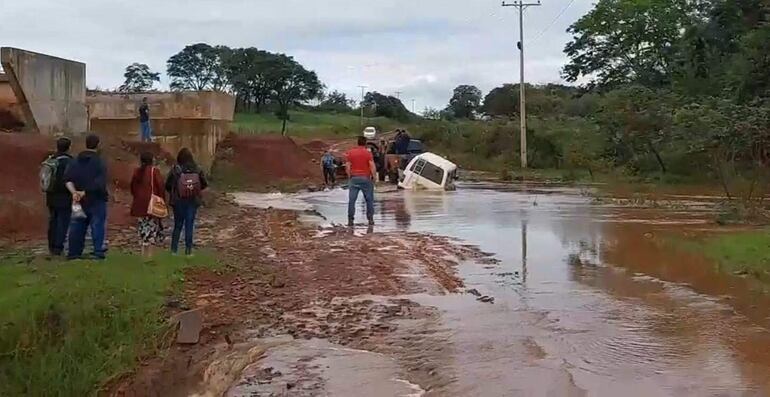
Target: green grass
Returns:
[[740, 253], [308, 124], [67, 328]]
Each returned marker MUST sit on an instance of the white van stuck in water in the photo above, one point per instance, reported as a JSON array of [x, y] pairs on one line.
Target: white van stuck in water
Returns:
[[429, 171]]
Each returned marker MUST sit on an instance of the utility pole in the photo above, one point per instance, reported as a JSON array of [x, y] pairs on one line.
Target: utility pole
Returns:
[[521, 5], [398, 95], [361, 105], [413, 102]]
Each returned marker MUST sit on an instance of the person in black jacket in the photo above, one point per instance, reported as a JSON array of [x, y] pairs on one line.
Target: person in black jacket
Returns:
[[184, 185], [59, 200], [86, 179]]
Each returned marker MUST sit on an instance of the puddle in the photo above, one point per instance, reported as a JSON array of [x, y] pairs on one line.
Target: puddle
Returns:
[[585, 302], [316, 367]]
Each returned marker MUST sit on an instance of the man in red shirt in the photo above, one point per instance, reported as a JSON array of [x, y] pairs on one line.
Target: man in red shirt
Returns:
[[359, 164]]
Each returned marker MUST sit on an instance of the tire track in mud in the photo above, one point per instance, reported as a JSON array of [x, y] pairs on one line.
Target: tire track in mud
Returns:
[[284, 279]]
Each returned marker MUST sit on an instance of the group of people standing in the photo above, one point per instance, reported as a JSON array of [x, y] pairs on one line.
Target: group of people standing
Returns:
[[182, 187], [77, 196]]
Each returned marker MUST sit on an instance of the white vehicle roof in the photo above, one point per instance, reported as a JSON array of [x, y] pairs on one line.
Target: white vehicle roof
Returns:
[[412, 180], [437, 160]]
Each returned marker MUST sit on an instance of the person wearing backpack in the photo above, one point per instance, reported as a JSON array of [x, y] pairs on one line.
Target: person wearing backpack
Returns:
[[58, 198], [148, 202], [86, 179], [184, 185]]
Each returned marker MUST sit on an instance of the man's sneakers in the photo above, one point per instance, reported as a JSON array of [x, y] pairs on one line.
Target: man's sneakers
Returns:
[[351, 223]]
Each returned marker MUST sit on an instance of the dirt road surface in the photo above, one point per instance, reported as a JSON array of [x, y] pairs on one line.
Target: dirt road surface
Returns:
[[492, 290]]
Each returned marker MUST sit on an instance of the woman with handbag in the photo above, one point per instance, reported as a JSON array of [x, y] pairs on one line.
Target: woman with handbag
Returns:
[[148, 203]]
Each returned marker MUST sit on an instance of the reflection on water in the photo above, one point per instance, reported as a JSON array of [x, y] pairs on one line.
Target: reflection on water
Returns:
[[586, 301]]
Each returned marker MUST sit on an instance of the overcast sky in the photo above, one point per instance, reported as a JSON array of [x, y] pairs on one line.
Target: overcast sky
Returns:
[[423, 48]]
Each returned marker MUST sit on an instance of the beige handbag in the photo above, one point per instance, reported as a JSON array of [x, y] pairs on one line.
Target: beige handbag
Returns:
[[157, 206]]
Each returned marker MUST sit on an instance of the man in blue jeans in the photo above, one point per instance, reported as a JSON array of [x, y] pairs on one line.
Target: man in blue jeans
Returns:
[[86, 179], [144, 121], [362, 173], [59, 200]]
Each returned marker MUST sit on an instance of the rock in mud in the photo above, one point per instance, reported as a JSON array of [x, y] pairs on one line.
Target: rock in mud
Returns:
[[176, 303], [277, 282], [486, 299], [474, 292], [190, 326], [268, 252]]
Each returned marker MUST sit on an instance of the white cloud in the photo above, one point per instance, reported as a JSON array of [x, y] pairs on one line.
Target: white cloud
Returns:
[[421, 48]]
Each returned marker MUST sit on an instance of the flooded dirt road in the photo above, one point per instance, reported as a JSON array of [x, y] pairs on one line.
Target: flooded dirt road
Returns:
[[586, 301]]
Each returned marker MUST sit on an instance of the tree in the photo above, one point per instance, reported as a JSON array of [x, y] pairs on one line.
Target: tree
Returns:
[[710, 48], [734, 138], [465, 101], [432, 113], [290, 84], [502, 101], [387, 106], [139, 78], [638, 120], [336, 101], [747, 75], [199, 67], [628, 41], [246, 70]]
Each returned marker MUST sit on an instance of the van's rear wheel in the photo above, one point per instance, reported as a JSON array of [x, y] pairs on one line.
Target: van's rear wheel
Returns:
[[393, 177]]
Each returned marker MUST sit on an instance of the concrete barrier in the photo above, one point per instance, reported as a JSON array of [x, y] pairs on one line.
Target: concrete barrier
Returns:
[[190, 105], [50, 92], [198, 120]]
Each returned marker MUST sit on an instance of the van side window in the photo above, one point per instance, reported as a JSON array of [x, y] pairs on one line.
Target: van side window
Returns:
[[420, 163], [432, 173]]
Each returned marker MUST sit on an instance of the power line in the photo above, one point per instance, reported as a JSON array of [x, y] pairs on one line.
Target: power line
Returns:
[[550, 25]]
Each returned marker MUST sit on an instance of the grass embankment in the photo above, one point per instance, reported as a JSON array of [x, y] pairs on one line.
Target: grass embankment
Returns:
[[67, 328], [742, 253], [308, 124]]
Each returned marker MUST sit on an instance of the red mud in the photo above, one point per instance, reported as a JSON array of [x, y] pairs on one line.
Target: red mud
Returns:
[[278, 273], [9, 122], [23, 215], [264, 160]]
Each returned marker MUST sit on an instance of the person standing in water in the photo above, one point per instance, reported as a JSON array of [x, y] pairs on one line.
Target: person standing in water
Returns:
[[362, 173], [329, 168]]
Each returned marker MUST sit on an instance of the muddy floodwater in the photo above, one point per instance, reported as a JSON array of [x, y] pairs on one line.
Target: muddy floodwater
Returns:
[[587, 300]]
